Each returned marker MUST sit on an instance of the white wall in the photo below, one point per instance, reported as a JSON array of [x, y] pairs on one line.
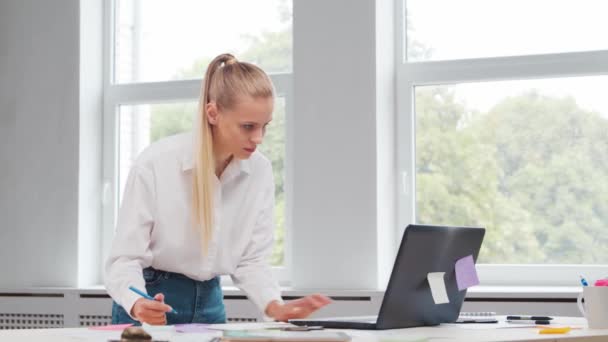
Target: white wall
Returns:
[[39, 143], [335, 217]]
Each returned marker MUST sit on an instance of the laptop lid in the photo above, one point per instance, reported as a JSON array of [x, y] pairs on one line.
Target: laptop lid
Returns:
[[408, 301]]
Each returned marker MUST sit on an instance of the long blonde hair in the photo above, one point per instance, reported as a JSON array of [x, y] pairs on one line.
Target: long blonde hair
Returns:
[[226, 82]]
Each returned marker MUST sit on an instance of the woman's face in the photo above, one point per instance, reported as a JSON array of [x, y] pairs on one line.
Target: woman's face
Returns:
[[238, 131]]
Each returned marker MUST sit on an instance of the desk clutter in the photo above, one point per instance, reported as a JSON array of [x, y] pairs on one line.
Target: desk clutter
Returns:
[[279, 332], [236, 332]]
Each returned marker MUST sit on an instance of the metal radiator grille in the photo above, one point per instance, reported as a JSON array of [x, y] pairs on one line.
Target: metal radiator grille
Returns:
[[94, 320], [30, 321]]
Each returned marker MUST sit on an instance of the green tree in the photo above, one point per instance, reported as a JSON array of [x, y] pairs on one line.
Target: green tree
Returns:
[[528, 171]]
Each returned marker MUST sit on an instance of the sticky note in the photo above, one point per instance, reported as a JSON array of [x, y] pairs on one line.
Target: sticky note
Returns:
[[563, 330], [466, 275], [112, 327], [437, 284]]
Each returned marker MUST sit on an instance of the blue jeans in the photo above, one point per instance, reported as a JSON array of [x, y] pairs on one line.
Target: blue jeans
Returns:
[[195, 301]]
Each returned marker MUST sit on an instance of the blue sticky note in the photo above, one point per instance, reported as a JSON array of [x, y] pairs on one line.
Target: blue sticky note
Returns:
[[466, 275]]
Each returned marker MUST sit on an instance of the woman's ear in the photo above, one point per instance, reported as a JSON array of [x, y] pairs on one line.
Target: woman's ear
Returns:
[[212, 114]]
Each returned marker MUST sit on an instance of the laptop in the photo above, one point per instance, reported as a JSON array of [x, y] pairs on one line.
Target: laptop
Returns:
[[408, 301]]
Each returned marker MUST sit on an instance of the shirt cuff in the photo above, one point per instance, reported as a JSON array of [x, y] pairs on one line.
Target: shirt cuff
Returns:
[[263, 299], [128, 300]]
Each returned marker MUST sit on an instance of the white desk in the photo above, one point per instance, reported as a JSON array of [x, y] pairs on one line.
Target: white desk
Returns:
[[442, 333]]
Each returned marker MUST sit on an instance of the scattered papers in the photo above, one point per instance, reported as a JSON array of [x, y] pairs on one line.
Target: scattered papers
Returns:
[[152, 329], [284, 336], [466, 274], [112, 327], [249, 326], [437, 284], [192, 328]]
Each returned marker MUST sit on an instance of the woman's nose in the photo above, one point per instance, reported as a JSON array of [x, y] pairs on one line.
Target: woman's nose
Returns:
[[257, 137]]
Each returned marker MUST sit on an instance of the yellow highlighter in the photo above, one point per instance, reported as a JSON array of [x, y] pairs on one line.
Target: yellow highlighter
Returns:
[[563, 330]]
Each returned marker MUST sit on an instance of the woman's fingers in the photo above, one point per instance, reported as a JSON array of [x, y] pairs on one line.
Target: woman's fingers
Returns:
[[302, 307], [151, 311], [160, 297], [315, 301], [324, 300], [153, 305]]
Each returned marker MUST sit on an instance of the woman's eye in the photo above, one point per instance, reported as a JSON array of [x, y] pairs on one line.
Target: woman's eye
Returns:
[[248, 127]]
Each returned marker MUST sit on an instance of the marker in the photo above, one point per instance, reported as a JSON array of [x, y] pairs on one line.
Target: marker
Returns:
[[583, 281], [529, 318], [143, 294], [521, 321]]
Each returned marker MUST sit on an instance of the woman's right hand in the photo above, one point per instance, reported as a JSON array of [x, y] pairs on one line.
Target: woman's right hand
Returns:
[[151, 311]]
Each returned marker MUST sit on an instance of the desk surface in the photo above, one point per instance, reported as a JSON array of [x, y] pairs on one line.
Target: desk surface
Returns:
[[444, 332]]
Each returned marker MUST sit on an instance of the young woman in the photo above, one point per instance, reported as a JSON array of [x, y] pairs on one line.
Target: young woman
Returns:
[[197, 206]]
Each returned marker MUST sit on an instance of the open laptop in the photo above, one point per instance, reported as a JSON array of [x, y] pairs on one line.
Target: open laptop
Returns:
[[408, 301]]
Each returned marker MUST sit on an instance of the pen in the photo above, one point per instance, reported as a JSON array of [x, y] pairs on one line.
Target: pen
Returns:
[[583, 281], [143, 294], [529, 318], [521, 321]]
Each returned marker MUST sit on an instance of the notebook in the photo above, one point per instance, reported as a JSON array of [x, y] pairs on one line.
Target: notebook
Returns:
[[408, 301]]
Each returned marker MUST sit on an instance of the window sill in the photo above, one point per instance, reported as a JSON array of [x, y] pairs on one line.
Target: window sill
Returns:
[[519, 293]]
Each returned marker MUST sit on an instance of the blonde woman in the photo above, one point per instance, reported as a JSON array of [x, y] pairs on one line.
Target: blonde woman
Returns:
[[197, 206]]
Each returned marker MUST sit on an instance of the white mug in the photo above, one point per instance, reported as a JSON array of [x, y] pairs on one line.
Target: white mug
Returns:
[[595, 308]]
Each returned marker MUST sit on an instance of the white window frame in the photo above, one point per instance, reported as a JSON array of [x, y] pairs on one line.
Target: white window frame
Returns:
[[116, 95], [411, 74]]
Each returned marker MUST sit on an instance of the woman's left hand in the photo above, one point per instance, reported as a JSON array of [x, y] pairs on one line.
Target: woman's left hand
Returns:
[[299, 308]]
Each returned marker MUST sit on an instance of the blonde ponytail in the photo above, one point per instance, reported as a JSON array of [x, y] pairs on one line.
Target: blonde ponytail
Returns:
[[226, 81]]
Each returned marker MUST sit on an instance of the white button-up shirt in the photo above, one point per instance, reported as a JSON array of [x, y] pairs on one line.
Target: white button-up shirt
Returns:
[[155, 227]]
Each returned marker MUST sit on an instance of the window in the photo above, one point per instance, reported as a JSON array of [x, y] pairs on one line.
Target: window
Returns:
[[448, 30], [158, 41], [513, 142], [155, 58]]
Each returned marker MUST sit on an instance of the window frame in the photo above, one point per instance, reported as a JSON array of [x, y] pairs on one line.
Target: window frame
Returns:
[[136, 93], [421, 73]]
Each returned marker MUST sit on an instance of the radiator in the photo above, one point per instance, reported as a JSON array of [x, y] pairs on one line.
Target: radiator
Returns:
[[68, 308]]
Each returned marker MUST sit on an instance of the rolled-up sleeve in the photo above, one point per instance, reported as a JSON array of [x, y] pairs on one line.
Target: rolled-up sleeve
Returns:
[[130, 251], [253, 274]]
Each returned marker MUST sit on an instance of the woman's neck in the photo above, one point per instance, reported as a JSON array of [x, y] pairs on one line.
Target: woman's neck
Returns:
[[221, 162]]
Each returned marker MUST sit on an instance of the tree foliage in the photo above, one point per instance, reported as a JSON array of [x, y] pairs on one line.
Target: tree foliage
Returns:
[[529, 170]]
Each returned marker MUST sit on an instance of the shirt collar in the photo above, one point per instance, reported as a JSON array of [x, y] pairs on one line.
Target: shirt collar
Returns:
[[235, 167]]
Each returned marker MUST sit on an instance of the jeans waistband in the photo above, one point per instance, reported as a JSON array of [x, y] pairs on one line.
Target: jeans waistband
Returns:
[[153, 273]]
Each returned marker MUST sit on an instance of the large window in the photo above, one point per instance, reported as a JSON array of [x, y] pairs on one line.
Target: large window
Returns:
[[448, 30], [502, 124], [156, 56]]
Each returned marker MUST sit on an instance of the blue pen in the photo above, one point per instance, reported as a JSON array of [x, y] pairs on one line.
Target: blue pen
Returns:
[[583, 281], [143, 294]]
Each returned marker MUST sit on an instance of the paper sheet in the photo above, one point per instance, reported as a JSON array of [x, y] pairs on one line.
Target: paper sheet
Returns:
[[466, 274], [437, 284], [249, 326], [155, 330], [112, 327], [192, 328]]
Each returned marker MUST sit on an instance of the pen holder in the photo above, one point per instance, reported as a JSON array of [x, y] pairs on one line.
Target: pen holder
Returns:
[[595, 308]]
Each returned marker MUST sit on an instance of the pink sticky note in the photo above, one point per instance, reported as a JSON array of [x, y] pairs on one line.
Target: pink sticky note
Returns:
[[466, 275], [191, 328], [112, 327], [601, 282]]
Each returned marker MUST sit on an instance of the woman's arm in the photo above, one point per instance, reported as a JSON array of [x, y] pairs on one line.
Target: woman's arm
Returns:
[[130, 247]]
